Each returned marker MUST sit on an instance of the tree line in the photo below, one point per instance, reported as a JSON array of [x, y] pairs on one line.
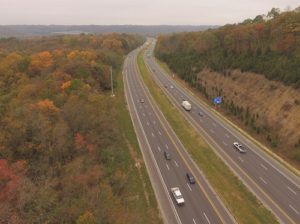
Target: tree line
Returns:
[[268, 45]]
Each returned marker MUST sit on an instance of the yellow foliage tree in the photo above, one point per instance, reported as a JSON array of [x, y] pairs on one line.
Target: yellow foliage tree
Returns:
[[86, 218], [41, 61]]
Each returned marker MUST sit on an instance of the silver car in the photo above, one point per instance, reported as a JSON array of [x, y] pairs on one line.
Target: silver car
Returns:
[[239, 147]]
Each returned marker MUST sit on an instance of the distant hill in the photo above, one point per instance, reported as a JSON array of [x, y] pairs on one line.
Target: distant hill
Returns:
[[42, 30]]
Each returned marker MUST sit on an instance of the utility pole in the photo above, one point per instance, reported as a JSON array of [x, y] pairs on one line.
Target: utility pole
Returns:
[[112, 83]]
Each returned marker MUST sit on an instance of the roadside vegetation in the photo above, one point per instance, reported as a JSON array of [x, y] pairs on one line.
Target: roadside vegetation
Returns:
[[242, 204], [68, 152]]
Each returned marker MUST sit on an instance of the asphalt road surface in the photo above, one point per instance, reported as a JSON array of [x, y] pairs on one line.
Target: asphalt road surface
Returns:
[[271, 182], [155, 137]]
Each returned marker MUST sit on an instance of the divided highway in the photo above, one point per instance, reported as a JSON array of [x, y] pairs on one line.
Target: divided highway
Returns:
[[273, 184], [155, 136]]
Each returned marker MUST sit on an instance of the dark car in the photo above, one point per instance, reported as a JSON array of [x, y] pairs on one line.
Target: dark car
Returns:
[[167, 155], [200, 114], [190, 178]]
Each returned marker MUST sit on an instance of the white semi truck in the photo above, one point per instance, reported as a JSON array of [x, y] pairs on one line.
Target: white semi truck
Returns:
[[186, 105]]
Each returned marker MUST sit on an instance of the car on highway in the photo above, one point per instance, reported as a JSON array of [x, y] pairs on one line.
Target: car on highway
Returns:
[[200, 114], [172, 87], [239, 147], [142, 100], [177, 196], [190, 178], [167, 155]]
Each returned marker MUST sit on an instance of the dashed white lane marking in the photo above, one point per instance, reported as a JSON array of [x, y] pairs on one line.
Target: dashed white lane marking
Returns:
[[154, 122], [159, 132], [194, 221], [159, 149], [294, 209], [214, 124], [150, 113], [168, 167], [212, 131], [206, 217], [241, 159], [176, 163], [152, 134], [227, 135], [224, 143], [148, 123], [167, 146], [294, 192], [189, 187], [144, 114], [263, 166], [262, 179], [201, 120]]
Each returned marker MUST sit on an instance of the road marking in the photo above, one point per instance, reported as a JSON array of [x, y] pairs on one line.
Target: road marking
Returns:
[[140, 107], [150, 113], [194, 221], [262, 165], [294, 209], [152, 134], [201, 120], [262, 179], [193, 112], [294, 192], [154, 122], [227, 135], [167, 146], [189, 187], [214, 124], [168, 167], [224, 143], [146, 106], [159, 149], [148, 123], [212, 131], [206, 217], [176, 163], [159, 132], [241, 159], [144, 114]]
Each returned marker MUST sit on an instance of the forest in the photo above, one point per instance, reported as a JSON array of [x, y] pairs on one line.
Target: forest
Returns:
[[63, 155], [268, 44]]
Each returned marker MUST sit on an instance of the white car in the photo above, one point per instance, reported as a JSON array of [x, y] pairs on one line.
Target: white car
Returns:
[[177, 195], [239, 147], [171, 87]]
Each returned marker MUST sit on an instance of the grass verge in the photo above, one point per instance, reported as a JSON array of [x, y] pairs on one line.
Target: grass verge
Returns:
[[242, 204], [141, 198]]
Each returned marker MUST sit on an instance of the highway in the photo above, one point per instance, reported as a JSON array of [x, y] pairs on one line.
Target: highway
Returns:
[[276, 186], [155, 136]]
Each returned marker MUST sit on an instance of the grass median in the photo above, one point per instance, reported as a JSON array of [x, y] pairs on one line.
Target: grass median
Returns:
[[242, 204]]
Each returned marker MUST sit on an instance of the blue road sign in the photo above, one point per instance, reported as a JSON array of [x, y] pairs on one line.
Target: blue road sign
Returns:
[[218, 100]]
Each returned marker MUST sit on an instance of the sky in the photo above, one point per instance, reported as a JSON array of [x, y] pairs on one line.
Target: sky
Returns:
[[136, 12]]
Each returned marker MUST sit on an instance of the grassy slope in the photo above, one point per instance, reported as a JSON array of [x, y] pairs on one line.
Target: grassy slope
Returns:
[[141, 196], [238, 199]]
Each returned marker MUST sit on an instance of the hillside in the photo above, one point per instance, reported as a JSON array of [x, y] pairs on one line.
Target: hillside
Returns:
[[254, 65], [68, 153]]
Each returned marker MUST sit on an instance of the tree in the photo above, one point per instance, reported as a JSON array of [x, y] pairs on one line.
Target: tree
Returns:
[[40, 62], [86, 218]]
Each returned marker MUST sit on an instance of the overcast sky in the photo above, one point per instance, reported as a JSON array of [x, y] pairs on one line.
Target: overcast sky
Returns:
[[137, 12]]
